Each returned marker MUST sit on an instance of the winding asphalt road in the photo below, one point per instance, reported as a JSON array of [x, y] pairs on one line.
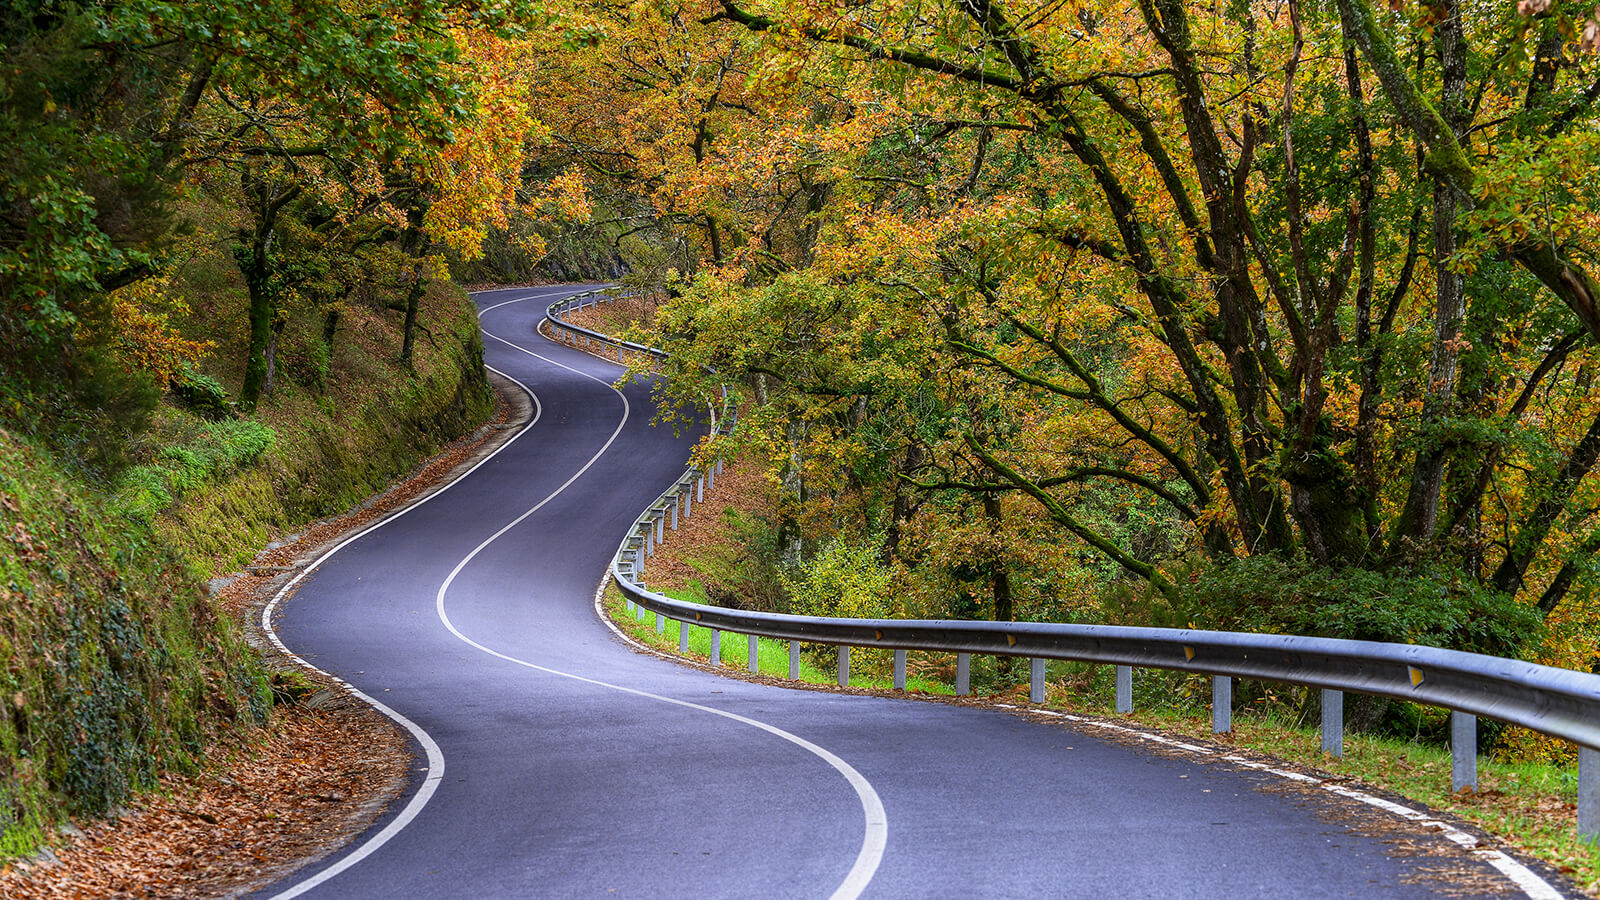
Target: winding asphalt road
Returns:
[[555, 761]]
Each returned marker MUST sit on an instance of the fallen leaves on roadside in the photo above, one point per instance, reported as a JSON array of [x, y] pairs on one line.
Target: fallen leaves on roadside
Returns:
[[254, 818]]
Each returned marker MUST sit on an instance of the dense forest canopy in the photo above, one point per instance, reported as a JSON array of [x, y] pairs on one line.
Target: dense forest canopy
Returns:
[[224, 313], [1270, 315], [341, 138], [1285, 310]]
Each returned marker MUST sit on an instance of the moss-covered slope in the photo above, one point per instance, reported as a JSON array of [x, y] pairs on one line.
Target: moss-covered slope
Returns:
[[113, 664]]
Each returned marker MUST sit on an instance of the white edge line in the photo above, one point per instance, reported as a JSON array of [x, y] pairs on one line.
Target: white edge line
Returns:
[[434, 753], [1524, 878], [876, 818]]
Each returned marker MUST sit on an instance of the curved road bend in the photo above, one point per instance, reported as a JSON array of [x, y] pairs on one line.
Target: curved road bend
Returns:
[[574, 766]]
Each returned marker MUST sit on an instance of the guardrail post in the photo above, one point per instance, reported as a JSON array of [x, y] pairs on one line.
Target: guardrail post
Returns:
[[1463, 750], [719, 466], [661, 522], [1589, 794], [628, 605], [676, 500], [638, 561], [1124, 689], [844, 665], [711, 478], [716, 647], [683, 637], [1221, 704], [899, 670], [649, 541], [963, 674], [640, 612], [1332, 722], [794, 660], [752, 656], [700, 489], [1036, 680], [661, 624], [688, 501]]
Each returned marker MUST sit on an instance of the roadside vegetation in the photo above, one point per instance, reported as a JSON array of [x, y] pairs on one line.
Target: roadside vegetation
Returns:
[[113, 665], [1268, 317], [1262, 318], [1530, 805], [227, 312]]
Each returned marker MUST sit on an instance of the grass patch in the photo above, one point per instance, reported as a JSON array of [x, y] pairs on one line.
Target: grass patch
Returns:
[[772, 655], [214, 451]]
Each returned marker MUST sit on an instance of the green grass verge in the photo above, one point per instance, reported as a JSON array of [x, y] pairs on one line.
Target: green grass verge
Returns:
[[772, 655]]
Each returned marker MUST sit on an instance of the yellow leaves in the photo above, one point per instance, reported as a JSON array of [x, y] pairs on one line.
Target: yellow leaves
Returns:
[[143, 335], [532, 245], [475, 177], [569, 197]]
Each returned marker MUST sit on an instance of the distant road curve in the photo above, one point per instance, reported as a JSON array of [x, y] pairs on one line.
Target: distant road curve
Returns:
[[555, 761]]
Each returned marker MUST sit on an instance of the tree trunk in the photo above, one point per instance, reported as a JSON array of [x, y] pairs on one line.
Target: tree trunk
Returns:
[[413, 299], [1420, 518], [902, 507], [412, 242], [261, 313], [254, 257], [271, 354]]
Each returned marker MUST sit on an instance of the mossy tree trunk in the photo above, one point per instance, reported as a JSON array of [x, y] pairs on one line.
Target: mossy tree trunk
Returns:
[[266, 198]]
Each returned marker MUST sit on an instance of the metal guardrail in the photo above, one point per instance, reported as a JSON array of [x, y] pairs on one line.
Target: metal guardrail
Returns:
[[578, 336], [1559, 702]]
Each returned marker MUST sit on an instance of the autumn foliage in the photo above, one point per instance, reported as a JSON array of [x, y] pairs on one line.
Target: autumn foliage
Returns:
[[1107, 310]]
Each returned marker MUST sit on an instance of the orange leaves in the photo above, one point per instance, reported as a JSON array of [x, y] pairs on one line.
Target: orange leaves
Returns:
[[475, 177], [143, 333], [567, 197]]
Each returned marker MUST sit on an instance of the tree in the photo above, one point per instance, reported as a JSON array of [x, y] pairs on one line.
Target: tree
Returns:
[[1223, 258], [322, 98]]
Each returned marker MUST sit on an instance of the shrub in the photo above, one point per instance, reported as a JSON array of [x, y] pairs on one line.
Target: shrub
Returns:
[[844, 580], [221, 448], [1436, 608], [201, 393], [1432, 607]]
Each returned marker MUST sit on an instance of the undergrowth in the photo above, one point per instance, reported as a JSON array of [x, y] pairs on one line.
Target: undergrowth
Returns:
[[772, 655], [116, 666]]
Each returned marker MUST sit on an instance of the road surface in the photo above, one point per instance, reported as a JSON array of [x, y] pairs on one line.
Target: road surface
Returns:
[[556, 761]]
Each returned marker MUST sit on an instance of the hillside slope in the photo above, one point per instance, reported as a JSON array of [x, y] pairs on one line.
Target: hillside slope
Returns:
[[114, 663]]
